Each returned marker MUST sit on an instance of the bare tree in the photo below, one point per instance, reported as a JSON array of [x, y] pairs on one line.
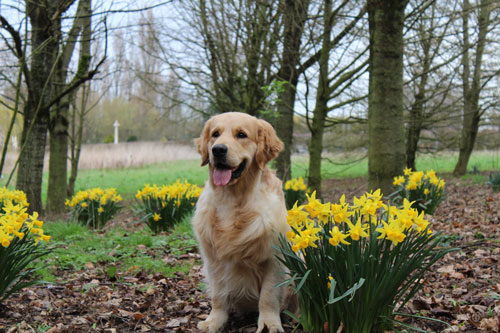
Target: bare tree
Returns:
[[473, 81], [45, 18], [332, 83], [430, 67]]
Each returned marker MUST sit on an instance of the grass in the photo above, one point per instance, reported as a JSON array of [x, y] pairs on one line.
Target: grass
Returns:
[[117, 250], [128, 181], [338, 167]]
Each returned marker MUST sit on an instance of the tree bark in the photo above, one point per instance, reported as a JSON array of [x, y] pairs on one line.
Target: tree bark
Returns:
[[59, 140], [413, 132], [294, 16], [386, 147], [76, 142], [471, 90], [58, 170], [44, 43], [321, 108]]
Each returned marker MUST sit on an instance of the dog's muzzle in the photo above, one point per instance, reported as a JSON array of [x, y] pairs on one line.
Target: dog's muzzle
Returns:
[[223, 173]]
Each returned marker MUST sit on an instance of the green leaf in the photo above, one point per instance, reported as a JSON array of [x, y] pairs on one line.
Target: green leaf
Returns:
[[302, 281], [350, 292]]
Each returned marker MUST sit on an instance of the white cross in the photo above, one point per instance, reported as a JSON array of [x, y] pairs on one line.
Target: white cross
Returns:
[[116, 125]]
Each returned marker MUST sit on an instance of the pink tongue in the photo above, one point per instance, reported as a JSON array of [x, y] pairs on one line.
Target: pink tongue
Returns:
[[222, 176]]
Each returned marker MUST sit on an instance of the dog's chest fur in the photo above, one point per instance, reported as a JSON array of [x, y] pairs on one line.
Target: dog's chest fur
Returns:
[[236, 232]]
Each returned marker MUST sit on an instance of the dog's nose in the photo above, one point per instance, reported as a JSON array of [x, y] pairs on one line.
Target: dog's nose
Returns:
[[219, 150]]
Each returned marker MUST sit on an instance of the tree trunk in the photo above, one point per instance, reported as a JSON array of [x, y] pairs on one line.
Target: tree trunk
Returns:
[[386, 147], [417, 114], [321, 107], [294, 15], [413, 136], [30, 171], [58, 163], [76, 135], [44, 28], [471, 91], [58, 169]]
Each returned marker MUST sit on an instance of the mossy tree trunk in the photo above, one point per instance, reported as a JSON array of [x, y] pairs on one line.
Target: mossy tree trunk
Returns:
[[44, 43], [59, 127], [386, 147]]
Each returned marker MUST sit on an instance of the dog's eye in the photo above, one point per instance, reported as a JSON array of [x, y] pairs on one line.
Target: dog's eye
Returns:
[[215, 134], [241, 135]]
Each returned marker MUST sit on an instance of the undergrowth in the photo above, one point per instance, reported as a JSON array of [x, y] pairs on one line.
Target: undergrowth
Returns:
[[116, 251]]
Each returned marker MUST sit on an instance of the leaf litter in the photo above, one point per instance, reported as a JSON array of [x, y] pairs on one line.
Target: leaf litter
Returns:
[[462, 289]]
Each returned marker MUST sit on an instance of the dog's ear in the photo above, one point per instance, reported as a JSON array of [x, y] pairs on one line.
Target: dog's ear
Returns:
[[202, 142], [268, 144]]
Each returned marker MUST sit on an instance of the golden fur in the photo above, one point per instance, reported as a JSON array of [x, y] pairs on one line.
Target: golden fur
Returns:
[[237, 224]]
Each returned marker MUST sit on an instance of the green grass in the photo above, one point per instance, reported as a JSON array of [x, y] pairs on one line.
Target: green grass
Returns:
[[76, 246], [128, 181], [441, 163]]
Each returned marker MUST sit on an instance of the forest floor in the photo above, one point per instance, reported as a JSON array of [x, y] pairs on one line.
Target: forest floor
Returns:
[[462, 289]]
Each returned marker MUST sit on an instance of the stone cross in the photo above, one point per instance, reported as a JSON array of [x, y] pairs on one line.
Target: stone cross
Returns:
[[116, 125]]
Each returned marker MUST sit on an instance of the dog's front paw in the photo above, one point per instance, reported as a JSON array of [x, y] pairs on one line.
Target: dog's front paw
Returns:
[[272, 321], [214, 322]]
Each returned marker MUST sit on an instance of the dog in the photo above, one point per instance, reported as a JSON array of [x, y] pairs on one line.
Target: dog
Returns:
[[238, 218]]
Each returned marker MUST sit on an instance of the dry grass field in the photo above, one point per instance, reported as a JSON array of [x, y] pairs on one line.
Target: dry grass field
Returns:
[[123, 155]]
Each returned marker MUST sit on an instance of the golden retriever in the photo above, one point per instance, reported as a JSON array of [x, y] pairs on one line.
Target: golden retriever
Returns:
[[238, 219]]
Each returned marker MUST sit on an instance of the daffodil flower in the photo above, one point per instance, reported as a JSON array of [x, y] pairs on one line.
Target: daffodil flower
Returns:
[[358, 230], [337, 237]]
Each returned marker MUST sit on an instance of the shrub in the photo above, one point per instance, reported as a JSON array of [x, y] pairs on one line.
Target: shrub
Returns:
[[356, 265], [109, 139], [295, 191], [424, 189], [20, 234], [494, 181], [162, 207], [94, 207]]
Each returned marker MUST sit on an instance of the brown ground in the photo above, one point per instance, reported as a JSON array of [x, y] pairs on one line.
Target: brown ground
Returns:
[[462, 289]]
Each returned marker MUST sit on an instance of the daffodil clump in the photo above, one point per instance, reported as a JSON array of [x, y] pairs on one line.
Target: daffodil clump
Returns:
[[164, 206], [20, 234], [94, 207], [423, 188], [295, 191], [355, 264]]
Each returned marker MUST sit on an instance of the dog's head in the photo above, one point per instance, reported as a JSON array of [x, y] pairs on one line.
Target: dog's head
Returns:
[[232, 143]]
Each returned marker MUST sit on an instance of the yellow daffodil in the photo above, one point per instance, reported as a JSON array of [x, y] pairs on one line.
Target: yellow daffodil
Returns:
[[323, 212], [358, 230], [331, 279], [393, 232], [312, 203], [337, 237], [341, 211], [430, 174], [13, 218], [420, 223], [398, 180]]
